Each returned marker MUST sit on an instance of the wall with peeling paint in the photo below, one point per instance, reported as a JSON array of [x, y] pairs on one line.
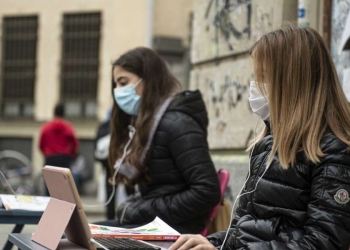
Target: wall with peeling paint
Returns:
[[222, 33], [340, 17], [225, 89]]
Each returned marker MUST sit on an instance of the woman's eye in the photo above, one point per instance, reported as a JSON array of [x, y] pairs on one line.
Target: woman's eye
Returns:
[[121, 84]]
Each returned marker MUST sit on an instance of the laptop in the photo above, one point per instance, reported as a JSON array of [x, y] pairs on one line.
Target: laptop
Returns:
[[65, 213]]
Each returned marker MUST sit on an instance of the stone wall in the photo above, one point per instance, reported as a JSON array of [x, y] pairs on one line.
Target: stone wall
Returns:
[[222, 34], [340, 17]]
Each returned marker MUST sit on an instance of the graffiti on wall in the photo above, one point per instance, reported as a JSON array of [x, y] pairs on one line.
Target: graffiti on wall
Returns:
[[263, 21], [224, 13], [225, 27], [225, 93], [340, 12], [222, 28], [229, 91]]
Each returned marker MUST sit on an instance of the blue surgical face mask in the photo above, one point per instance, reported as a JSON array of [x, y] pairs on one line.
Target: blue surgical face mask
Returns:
[[127, 99]]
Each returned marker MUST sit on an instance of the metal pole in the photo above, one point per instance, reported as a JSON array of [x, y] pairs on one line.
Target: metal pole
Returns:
[[327, 22], [149, 23]]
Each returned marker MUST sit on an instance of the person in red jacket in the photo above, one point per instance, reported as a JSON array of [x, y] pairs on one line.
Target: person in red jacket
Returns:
[[58, 141]]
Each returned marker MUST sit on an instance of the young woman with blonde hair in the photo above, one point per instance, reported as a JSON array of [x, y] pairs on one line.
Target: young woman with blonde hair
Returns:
[[297, 193]]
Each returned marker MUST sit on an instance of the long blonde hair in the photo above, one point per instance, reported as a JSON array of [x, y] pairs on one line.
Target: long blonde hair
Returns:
[[303, 90]]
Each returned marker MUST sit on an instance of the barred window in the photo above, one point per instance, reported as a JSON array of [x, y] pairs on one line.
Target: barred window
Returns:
[[80, 63], [19, 45], [173, 52]]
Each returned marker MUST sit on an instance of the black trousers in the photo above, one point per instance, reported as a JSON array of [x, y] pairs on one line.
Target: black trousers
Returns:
[[63, 161], [110, 209]]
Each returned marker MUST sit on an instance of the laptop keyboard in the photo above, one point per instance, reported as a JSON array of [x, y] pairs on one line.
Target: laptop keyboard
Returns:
[[130, 244]]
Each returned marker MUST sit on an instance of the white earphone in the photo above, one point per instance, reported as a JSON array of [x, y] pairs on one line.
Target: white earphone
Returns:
[[118, 163], [240, 195]]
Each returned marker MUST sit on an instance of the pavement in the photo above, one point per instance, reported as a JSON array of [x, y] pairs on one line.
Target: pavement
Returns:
[[93, 214]]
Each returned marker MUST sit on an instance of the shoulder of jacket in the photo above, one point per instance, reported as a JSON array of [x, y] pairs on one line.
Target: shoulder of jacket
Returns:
[[176, 122], [68, 124], [265, 145], [176, 117], [330, 144]]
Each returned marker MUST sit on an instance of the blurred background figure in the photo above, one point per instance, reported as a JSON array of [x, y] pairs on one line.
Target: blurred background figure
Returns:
[[58, 142], [79, 170]]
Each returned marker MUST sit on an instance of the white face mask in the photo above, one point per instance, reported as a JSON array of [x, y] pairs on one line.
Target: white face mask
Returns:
[[258, 103]]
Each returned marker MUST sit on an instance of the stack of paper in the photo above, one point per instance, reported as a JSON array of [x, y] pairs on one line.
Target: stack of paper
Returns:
[[24, 202], [155, 230]]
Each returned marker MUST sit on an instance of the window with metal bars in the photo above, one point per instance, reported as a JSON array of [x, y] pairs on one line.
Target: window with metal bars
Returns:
[[18, 62], [80, 64]]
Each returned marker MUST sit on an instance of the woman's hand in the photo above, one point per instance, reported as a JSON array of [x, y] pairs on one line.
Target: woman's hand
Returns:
[[191, 241]]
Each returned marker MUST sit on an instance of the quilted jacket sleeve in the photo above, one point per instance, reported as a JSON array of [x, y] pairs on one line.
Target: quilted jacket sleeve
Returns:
[[328, 224], [188, 147], [219, 237]]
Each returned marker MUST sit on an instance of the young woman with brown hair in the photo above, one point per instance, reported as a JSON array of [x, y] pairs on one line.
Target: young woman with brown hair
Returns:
[[159, 141], [297, 193]]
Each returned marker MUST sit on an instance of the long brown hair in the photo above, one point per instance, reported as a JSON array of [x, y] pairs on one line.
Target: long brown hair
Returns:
[[159, 84], [303, 90]]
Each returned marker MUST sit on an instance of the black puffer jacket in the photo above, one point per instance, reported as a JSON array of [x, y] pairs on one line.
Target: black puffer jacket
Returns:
[[304, 207], [183, 184]]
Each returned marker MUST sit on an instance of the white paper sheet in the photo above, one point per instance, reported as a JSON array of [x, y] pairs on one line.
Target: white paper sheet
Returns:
[[24, 202]]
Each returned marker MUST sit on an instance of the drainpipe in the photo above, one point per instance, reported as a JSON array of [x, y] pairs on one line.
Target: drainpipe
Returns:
[[149, 23], [327, 22]]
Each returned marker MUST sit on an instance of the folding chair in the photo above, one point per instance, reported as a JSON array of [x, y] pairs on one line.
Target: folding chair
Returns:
[[224, 177]]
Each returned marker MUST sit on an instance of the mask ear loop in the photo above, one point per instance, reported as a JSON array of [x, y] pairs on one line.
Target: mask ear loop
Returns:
[[240, 195], [138, 82], [132, 131]]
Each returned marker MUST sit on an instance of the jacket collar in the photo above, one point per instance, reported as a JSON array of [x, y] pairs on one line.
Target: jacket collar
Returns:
[[156, 120], [126, 169]]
